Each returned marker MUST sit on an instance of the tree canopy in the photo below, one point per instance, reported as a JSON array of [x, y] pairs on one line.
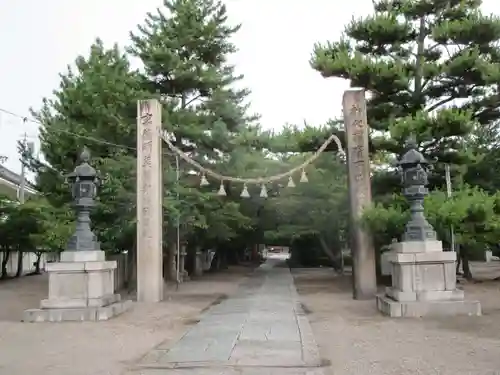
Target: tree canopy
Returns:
[[430, 69]]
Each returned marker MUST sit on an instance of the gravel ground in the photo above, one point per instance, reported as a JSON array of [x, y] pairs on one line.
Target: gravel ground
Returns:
[[104, 348], [355, 340]]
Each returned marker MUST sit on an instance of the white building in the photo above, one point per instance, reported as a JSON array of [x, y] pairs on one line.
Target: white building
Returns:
[[10, 185]]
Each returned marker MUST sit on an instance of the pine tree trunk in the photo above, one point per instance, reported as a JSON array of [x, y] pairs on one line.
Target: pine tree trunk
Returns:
[[216, 262], [5, 260], [329, 253], [19, 272], [224, 263], [465, 264], [37, 263]]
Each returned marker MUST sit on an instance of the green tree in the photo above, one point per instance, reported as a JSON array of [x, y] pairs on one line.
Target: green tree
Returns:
[[7, 232], [484, 143], [431, 68], [313, 213], [96, 100], [317, 209], [27, 227], [52, 230], [473, 213], [184, 48]]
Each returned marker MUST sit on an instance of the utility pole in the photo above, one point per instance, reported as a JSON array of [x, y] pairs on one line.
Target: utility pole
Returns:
[[30, 147], [178, 221], [448, 189], [3, 158], [22, 186]]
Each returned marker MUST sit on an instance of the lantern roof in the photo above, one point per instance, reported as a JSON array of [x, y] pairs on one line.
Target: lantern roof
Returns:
[[412, 155], [84, 170]]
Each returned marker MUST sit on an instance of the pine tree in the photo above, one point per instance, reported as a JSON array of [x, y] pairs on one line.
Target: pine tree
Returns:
[[430, 67], [96, 100], [184, 48]]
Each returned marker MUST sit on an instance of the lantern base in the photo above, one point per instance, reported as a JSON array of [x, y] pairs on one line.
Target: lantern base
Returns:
[[423, 282], [198, 264], [83, 240], [82, 314], [83, 256], [419, 231], [419, 309], [79, 291]]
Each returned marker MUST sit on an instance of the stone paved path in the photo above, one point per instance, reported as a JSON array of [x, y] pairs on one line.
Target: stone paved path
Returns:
[[260, 330]]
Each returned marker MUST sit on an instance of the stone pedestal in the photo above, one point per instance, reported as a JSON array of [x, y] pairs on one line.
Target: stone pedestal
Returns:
[[198, 264], [171, 264], [81, 288], [385, 264], [423, 283], [183, 274]]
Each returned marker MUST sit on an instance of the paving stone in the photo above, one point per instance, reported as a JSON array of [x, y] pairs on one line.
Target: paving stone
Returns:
[[264, 316], [267, 353], [234, 319], [261, 330], [215, 347], [229, 371]]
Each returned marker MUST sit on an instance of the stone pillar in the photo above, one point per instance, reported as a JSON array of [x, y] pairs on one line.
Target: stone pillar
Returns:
[[172, 263], [363, 253], [182, 264], [81, 285], [198, 263], [149, 202]]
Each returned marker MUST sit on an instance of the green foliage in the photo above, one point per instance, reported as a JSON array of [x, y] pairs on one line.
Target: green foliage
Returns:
[[184, 49], [96, 100], [34, 226], [416, 59], [473, 213], [386, 222], [431, 68], [52, 226], [307, 138], [318, 208], [12, 230], [484, 144]]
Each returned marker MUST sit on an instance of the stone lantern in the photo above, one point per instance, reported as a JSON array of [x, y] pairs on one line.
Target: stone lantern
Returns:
[[423, 275], [414, 168], [183, 274], [84, 182], [81, 285]]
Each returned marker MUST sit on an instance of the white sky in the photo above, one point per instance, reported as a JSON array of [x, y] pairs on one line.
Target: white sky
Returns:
[[39, 39]]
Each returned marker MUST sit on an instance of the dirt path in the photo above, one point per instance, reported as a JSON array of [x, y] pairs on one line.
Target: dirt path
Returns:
[[356, 340], [103, 348]]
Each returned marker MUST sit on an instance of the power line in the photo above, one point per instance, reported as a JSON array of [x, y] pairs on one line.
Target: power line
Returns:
[[92, 139], [179, 153]]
